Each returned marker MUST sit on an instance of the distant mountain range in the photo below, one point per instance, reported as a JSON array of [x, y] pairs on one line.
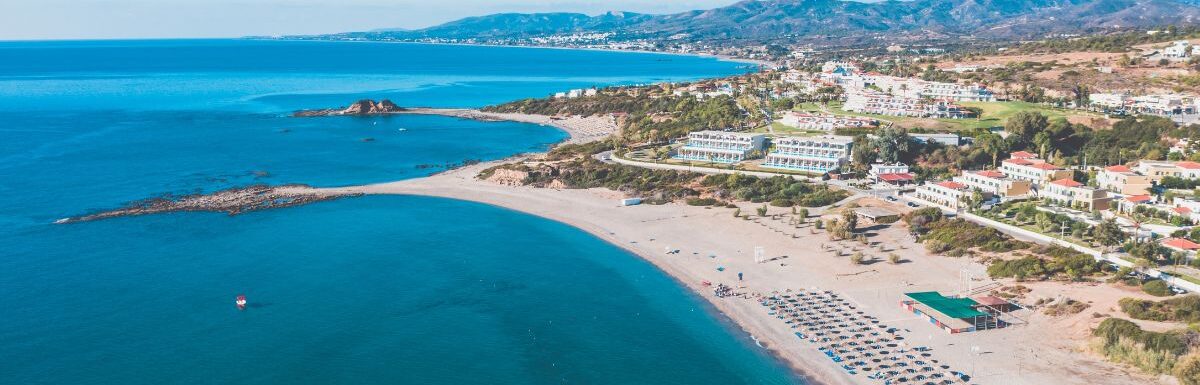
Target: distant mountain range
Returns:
[[770, 20]]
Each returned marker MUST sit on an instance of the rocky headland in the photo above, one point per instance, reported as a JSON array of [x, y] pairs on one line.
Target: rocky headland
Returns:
[[360, 108], [232, 201]]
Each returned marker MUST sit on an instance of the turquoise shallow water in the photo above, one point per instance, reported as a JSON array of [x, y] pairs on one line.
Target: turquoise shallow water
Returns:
[[374, 290]]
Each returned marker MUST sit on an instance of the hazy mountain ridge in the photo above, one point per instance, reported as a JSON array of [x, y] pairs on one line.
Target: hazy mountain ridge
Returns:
[[773, 19]]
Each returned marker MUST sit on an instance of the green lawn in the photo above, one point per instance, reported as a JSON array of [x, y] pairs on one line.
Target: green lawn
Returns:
[[994, 115], [780, 128]]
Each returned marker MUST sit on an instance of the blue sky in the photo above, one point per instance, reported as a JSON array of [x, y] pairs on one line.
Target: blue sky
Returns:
[[104, 19]]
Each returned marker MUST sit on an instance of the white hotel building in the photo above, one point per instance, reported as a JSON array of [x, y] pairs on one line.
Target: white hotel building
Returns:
[[995, 183], [1026, 166], [720, 146], [872, 102], [946, 193], [824, 122], [812, 154]]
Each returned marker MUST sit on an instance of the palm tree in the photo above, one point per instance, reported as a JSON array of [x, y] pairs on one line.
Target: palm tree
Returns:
[[992, 144]]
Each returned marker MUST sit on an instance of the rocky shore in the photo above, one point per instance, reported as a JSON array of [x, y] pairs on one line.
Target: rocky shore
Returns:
[[581, 128], [360, 108], [232, 201]]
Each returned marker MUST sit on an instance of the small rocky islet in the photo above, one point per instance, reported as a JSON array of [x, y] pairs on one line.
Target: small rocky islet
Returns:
[[362, 107]]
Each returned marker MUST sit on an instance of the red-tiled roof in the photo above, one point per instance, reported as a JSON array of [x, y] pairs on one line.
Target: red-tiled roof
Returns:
[[1182, 210], [1045, 166], [1067, 182], [1018, 161], [1138, 198], [990, 174], [1022, 155], [990, 300], [952, 185], [896, 177], [1180, 243], [1117, 168], [1188, 165]]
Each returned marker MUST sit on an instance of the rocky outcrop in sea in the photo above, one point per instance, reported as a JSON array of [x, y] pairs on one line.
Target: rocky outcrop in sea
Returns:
[[232, 201], [360, 108]]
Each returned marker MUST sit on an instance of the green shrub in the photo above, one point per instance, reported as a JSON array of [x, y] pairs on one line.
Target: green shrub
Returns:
[[782, 202], [776, 190], [1158, 288], [963, 234], [1187, 370], [1180, 309], [1062, 262], [1125, 342], [701, 201], [936, 246]]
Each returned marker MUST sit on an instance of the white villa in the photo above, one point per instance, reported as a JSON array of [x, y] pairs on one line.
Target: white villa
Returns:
[[946, 193], [1157, 169], [996, 183], [720, 146], [1026, 166], [1123, 180], [813, 154], [1070, 193]]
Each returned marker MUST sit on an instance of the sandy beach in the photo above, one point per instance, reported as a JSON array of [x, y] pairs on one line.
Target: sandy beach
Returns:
[[715, 247], [581, 129], [1047, 350]]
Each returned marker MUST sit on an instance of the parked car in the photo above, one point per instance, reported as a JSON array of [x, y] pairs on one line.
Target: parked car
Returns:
[[891, 198], [910, 204]]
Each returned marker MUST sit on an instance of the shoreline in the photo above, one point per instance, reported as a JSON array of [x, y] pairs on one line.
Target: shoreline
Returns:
[[725, 58], [1057, 356], [1052, 352], [579, 129], [808, 369], [1043, 354]]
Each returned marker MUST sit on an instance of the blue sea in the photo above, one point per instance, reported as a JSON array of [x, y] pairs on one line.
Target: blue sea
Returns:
[[375, 290]]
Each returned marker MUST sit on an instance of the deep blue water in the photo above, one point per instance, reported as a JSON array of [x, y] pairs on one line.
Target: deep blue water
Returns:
[[403, 290]]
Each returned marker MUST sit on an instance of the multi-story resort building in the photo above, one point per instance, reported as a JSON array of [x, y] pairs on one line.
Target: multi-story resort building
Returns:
[[1123, 180], [720, 146], [956, 92], [947, 193], [824, 122], [995, 183], [812, 154], [873, 102], [1025, 166], [1160, 105], [1157, 169], [1068, 192]]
